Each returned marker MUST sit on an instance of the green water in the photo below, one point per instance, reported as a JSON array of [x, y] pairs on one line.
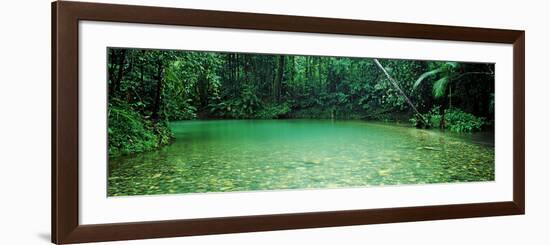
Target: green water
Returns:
[[247, 155]]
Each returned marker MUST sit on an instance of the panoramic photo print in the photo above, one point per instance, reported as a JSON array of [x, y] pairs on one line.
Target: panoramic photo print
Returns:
[[196, 122]]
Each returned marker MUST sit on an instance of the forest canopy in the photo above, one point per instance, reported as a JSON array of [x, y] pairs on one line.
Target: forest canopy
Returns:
[[150, 88]]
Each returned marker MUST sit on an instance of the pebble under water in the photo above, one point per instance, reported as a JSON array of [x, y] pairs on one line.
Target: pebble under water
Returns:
[[249, 155]]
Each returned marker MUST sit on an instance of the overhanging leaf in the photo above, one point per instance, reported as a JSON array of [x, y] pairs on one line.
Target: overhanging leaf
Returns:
[[452, 64], [440, 86], [424, 76]]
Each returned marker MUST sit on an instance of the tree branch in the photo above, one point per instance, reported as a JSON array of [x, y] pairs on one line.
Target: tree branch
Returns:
[[473, 73]]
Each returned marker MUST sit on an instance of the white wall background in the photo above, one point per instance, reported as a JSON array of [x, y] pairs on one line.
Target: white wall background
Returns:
[[25, 121]]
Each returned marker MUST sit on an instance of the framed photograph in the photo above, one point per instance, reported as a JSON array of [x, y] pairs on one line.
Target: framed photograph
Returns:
[[176, 122]]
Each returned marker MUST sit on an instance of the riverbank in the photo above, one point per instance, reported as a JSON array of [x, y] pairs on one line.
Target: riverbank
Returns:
[[130, 134]]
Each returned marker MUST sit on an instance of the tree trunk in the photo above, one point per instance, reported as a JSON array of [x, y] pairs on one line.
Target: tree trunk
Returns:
[[450, 94], [292, 68], [111, 69], [236, 75], [442, 113], [119, 58], [204, 87], [319, 77], [274, 78], [280, 77], [394, 83], [158, 94], [120, 73], [442, 108], [142, 73], [247, 72]]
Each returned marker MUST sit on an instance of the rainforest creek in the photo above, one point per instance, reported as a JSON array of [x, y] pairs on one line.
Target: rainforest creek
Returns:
[[194, 121]]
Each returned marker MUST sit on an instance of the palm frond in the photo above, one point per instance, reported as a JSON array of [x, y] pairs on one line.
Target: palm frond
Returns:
[[440, 86], [452, 64], [424, 76]]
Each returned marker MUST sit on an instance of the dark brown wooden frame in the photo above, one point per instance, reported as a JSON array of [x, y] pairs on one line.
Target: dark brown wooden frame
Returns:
[[65, 211]]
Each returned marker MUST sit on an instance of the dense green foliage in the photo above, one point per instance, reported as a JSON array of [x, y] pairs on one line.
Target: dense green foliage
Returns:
[[148, 88], [455, 120], [459, 121], [129, 132]]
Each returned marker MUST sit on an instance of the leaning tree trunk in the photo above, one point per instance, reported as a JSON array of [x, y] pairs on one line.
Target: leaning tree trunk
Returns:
[[396, 85]]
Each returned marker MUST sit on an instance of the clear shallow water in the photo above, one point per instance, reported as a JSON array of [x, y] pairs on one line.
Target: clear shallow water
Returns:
[[247, 155]]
